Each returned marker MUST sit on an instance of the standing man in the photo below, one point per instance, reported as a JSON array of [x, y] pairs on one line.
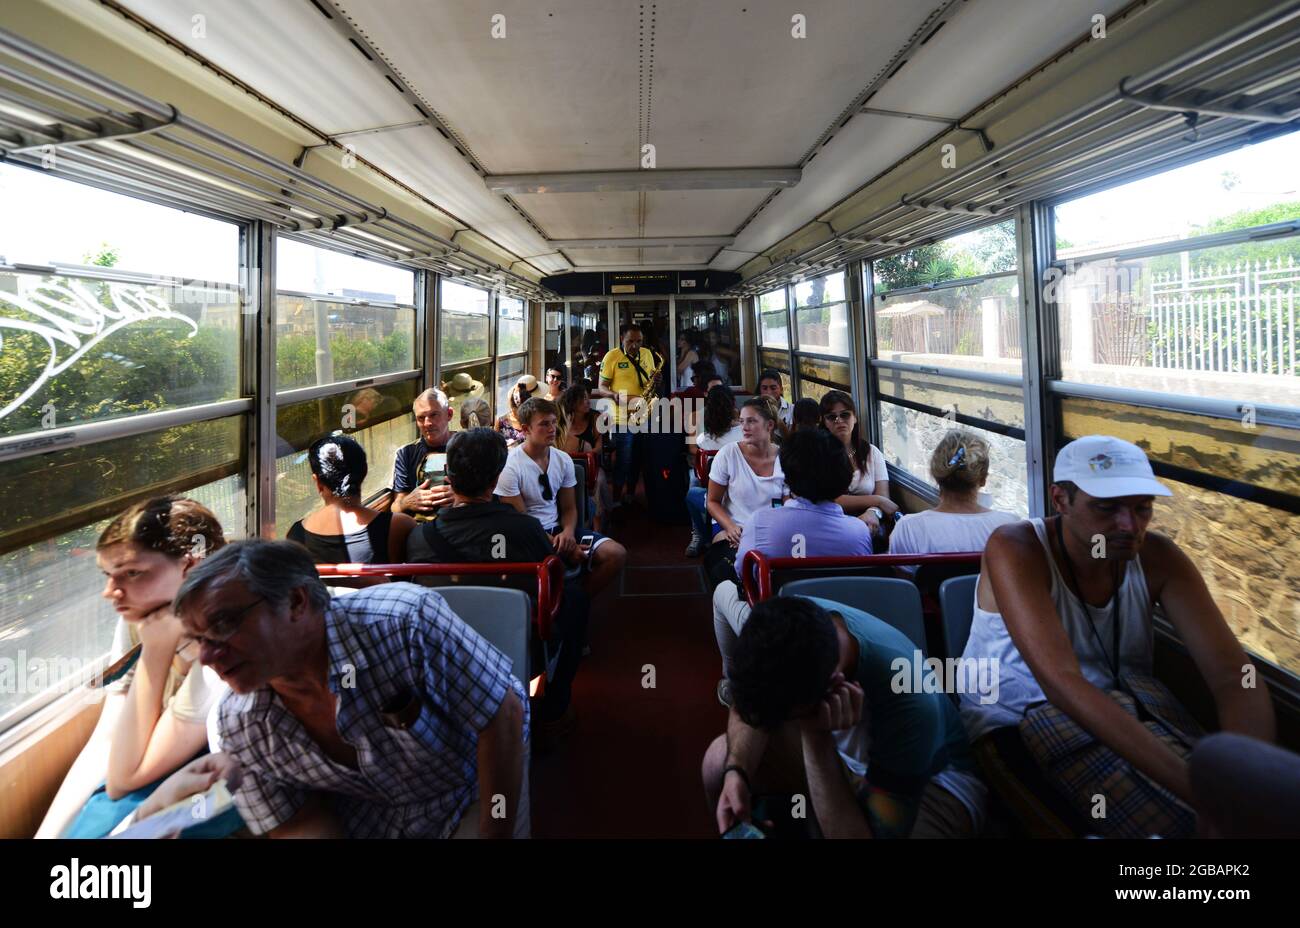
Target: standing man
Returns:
[[626, 373], [379, 714], [411, 493]]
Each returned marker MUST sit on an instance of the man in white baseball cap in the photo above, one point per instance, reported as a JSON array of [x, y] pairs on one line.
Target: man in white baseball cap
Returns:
[[1083, 738]]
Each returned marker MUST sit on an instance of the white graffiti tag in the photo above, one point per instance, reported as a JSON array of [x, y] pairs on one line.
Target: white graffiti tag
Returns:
[[70, 318]]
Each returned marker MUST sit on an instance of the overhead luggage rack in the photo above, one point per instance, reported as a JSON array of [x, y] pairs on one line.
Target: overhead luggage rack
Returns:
[[63, 118]]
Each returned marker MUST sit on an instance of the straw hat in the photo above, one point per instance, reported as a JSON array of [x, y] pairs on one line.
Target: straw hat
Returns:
[[462, 385]]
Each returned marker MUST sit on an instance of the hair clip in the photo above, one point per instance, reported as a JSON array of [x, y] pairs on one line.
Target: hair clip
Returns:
[[958, 460]]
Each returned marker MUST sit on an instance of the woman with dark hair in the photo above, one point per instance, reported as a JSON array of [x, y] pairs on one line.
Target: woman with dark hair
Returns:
[[508, 424], [554, 384], [868, 494], [717, 429], [157, 695], [805, 414], [580, 435], [719, 423], [344, 531], [686, 356]]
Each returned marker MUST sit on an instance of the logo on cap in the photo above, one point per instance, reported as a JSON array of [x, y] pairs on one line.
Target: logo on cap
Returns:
[[1100, 462]]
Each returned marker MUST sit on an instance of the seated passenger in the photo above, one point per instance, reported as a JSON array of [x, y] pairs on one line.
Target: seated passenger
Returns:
[[555, 384], [413, 493], [769, 384], [817, 713], [960, 466], [744, 478], [540, 481], [345, 531], [868, 496], [304, 669], [811, 524], [719, 426], [153, 719], [477, 528], [1064, 606], [475, 413], [508, 424], [580, 435], [805, 414]]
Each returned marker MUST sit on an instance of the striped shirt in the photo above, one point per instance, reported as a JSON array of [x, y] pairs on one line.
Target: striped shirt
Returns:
[[389, 645]]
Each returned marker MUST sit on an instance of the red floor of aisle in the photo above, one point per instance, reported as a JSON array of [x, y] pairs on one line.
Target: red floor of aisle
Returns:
[[632, 767]]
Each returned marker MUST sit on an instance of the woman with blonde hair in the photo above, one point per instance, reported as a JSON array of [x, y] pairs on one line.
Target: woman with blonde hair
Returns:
[[158, 695], [508, 424], [960, 522]]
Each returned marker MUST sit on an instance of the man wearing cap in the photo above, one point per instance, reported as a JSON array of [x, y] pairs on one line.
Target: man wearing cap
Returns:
[[1064, 606], [412, 492]]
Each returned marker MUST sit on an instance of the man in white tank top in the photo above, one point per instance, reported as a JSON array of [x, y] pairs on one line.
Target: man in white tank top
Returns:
[[1064, 606]]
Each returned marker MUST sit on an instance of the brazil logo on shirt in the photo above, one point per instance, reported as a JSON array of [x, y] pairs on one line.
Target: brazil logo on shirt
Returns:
[[622, 365]]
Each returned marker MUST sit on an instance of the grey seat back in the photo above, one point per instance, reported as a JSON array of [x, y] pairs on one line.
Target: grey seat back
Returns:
[[957, 602], [500, 615], [893, 601]]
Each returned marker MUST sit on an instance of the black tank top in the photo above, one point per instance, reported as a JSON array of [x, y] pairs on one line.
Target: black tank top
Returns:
[[368, 546]]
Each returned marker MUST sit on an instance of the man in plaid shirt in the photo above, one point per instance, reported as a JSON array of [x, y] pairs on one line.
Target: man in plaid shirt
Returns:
[[377, 714]]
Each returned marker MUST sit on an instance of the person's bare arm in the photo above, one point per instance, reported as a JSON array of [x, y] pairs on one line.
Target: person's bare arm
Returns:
[[833, 802], [718, 510], [1017, 569], [745, 747], [516, 501], [501, 767], [605, 390], [399, 530], [1219, 657]]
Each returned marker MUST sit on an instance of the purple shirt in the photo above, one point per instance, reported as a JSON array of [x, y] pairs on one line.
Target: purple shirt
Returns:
[[825, 529]]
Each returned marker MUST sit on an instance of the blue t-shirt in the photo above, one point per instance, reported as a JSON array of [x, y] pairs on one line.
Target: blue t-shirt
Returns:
[[906, 737], [804, 529], [406, 465]]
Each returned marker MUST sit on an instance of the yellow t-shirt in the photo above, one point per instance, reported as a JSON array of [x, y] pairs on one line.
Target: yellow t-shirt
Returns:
[[618, 370]]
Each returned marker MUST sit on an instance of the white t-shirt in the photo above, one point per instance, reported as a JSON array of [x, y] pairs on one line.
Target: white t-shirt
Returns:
[[864, 482], [190, 696], [708, 443], [746, 492], [522, 477], [932, 532]]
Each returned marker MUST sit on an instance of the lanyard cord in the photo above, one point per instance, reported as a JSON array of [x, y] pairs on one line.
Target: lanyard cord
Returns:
[[1087, 609]]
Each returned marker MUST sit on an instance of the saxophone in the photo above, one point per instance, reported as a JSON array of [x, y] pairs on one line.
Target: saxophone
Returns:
[[639, 407]]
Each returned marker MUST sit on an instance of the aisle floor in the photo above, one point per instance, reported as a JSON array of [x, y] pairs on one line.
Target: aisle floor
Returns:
[[632, 767]]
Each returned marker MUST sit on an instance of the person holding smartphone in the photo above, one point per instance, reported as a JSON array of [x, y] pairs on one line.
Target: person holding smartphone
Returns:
[[413, 492]]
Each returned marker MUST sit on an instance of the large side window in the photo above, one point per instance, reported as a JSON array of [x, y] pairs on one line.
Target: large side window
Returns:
[[113, 312], [947, 322], [345, 363], [1177, 304]]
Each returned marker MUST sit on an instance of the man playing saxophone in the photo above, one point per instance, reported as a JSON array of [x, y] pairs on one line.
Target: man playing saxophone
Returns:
[[627, 376]]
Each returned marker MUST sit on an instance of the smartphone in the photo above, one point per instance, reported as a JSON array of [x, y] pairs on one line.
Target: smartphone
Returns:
[[435, 468], [586, 541], [743, 830]]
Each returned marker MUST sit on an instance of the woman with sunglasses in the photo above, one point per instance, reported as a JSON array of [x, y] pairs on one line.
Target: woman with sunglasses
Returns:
[[158, 697], [554, 384], [868, 495]]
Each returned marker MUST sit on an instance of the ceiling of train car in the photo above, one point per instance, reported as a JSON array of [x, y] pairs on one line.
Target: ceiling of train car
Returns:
[[581, 85]]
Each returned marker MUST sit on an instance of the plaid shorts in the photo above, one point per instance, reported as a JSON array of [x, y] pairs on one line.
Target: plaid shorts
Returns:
[[1116, 798]]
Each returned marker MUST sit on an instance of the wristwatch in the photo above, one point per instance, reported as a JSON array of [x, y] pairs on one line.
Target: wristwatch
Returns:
[[880, 513]]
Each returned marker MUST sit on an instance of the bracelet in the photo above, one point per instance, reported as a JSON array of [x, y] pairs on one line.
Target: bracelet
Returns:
[[740, 770]]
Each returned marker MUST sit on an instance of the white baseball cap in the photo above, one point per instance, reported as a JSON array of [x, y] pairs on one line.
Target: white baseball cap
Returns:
[[1106, 467]]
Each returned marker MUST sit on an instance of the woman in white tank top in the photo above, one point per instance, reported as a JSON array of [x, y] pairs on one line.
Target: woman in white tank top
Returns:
[[960, 466], [1096, 640]]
